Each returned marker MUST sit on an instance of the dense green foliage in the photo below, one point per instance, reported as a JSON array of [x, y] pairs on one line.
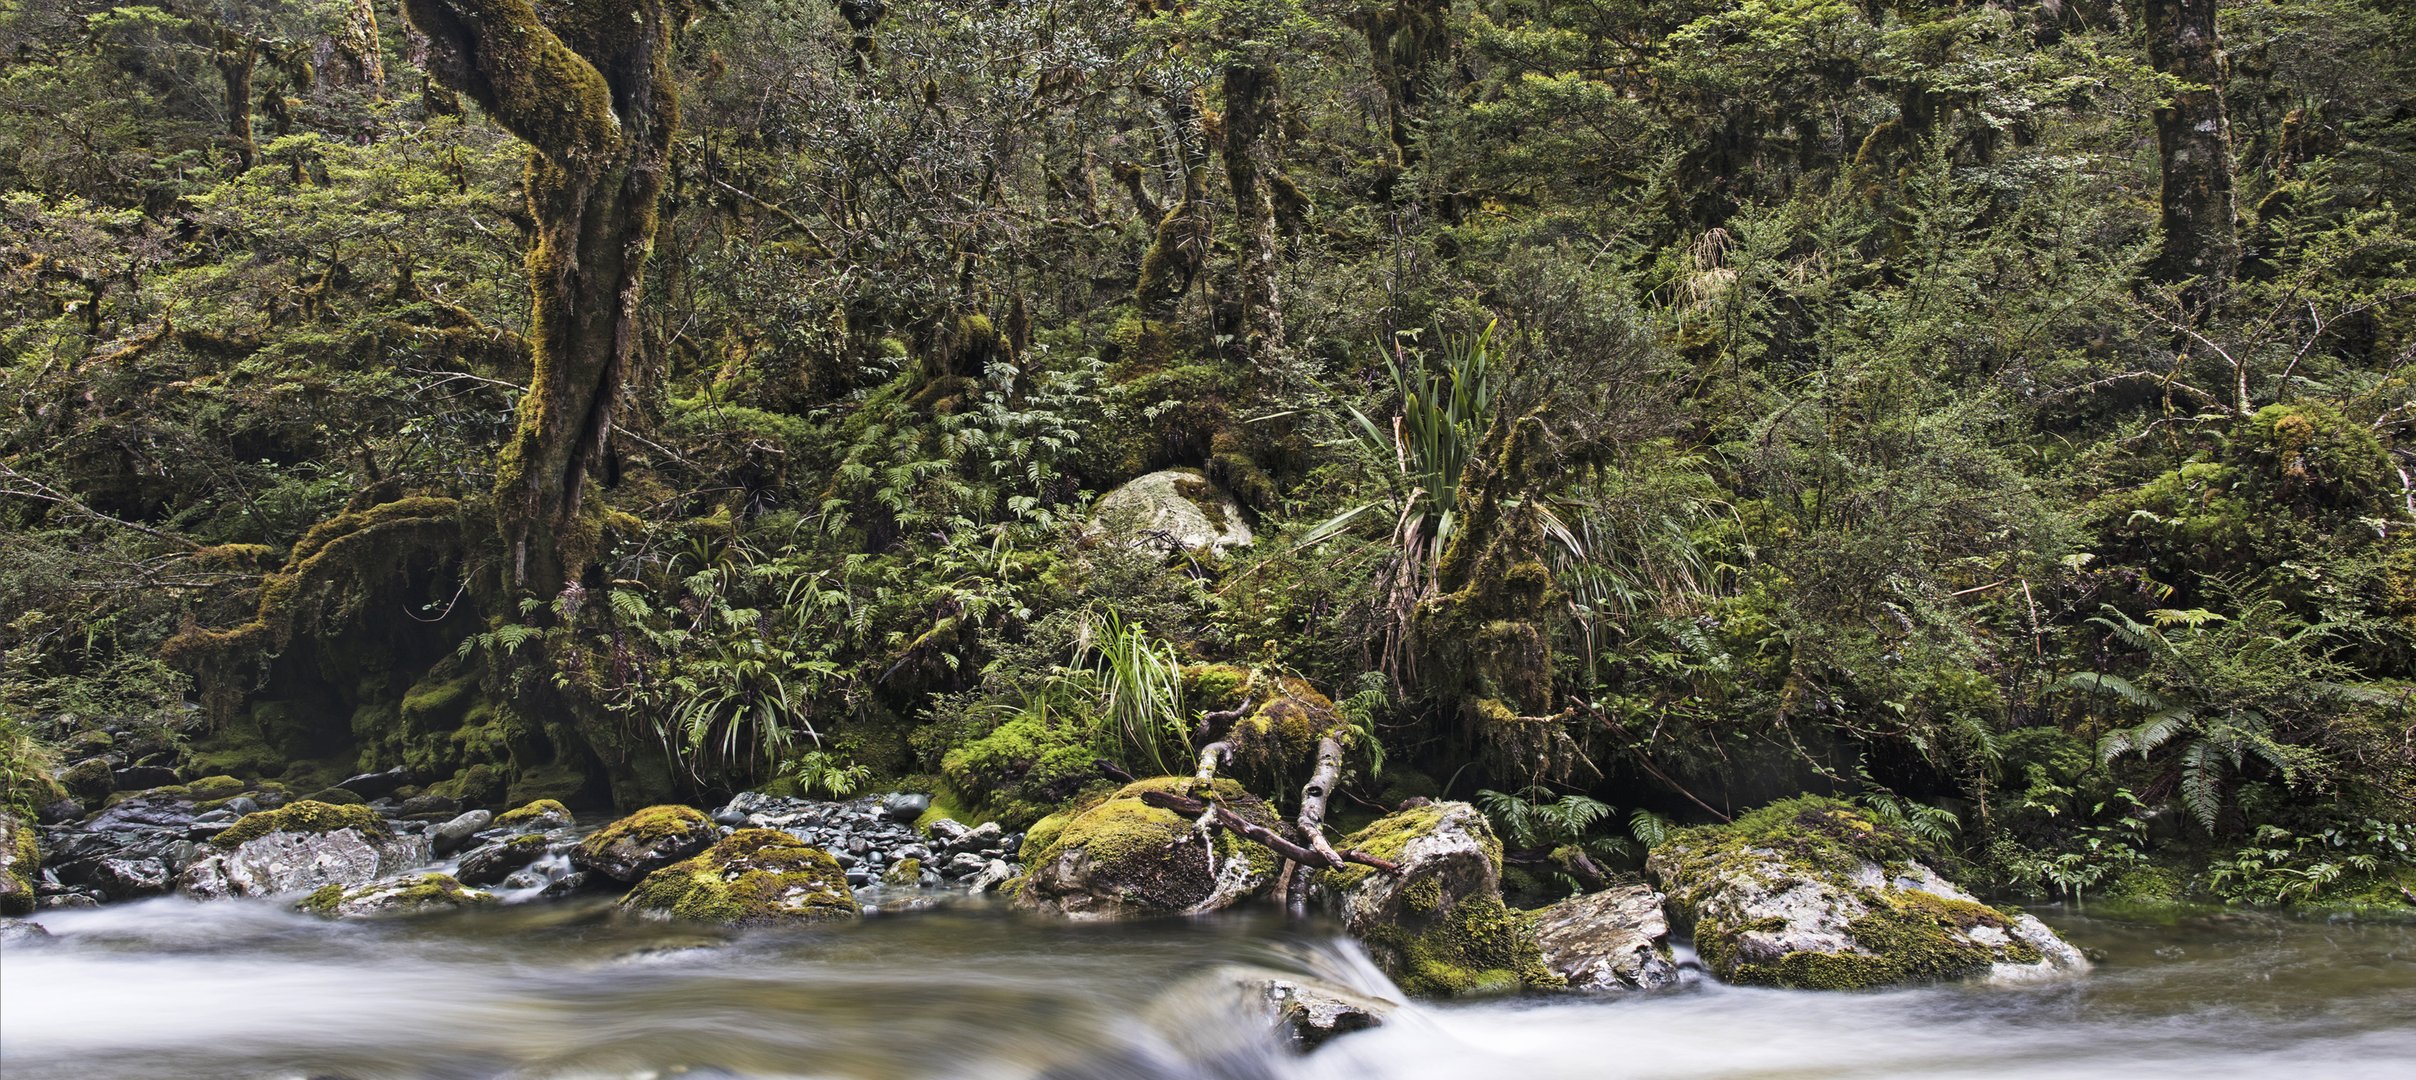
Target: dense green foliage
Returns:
[[1679, 406]]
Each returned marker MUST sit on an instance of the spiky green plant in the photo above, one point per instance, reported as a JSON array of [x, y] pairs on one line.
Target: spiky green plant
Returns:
[[1139, 682]]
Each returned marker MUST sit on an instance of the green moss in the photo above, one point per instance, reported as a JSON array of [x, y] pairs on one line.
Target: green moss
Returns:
[[215, 788], [1148, 857], [429, 891], [541, 808], [905, 872], [649, 826], [1478, 947], [750, 876], [306, 816], [1024, 766], [1907, 936]]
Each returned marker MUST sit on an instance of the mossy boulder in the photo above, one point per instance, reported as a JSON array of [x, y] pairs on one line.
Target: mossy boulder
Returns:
[[20, 860], [537, 815], [1616, 939], [1030, 762], [1439, 927], [90, 780], [305, 845], [1127, 859], [646, 841], [407, 895], [1177, 509], [751, 876], [305, 816], [1811, 893]]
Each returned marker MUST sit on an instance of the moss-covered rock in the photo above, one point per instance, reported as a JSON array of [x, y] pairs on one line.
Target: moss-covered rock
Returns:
[[304, 816], [20, 860], [644, 842], [1439, 926], [302, 846], [1810, 893], [749, 876], [1028, 763], [540, 814], [90, 780], [1125, 858], [409, 895], [1176, 508]]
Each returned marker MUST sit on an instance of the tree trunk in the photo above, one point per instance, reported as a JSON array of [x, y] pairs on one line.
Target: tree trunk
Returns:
[[350, 55], [1180, 244], [236, 59], [589, 88], [1250, 121], [1404, 39], [2193, 138]]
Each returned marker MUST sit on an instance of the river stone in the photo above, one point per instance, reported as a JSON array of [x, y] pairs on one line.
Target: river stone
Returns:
[[1811, 893], [1439, 926], [1310, 1014], [1173, 508], [376, 785], [1616, 939], [646, 841], [20, 860], [904, 807], [455, 834], [90, 780], [494, 862], [409, 894], [536, 816], [301, 846], [749, 876], [18, 932], [1126, 859]]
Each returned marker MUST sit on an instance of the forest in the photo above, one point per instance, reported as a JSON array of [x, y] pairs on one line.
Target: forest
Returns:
[[1990, 421]]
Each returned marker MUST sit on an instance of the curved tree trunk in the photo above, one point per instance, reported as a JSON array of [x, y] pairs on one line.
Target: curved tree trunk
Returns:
[[588, 86], [2193, 137]]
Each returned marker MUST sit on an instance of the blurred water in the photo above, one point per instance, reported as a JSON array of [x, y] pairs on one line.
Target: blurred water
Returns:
[[246, 989]]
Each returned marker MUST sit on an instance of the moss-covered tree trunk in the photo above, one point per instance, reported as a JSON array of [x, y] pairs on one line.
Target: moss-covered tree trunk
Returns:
[[588, 85], [350, 54], [2193, 138], [1180, 243], [1250, 122], [1405, 39]]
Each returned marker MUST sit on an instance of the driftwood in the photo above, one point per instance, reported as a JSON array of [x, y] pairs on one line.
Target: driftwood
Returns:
[[1191, 807]]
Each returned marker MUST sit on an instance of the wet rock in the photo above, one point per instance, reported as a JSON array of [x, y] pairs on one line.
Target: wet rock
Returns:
[[536, 816], [60, 811], [18, 933], [1439, 927], [904, 808], [20, 863], [1810, 893], [143, 777], [644, 842], [376, 785], [1177, 509], [430, 806], [118, 879], [1125, 859], [1310, 1014], [455, 834], [304, 846], [66, 901], [407, 895], [750, 876], [495, 862], [993, 874], [1616, 939]]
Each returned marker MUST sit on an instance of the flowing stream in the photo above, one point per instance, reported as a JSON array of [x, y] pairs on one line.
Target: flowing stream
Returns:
[[246, 989]]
